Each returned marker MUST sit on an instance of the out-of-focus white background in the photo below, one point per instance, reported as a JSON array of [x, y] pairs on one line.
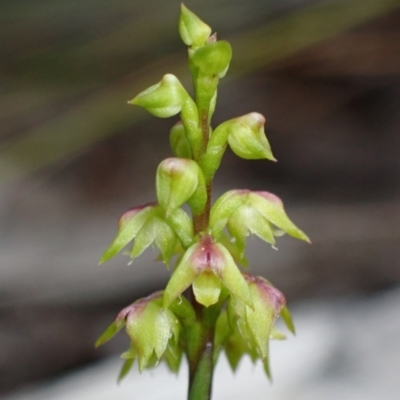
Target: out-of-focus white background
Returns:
[[74, 156]]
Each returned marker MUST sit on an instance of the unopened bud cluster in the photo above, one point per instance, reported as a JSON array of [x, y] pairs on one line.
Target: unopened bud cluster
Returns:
[[205, 259]]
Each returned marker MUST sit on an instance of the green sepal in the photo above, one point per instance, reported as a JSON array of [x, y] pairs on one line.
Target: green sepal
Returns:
[[233, 279], [213, 58], [236, 347], [245, 220], [182, 224], [157, 231], [130, 224], [276, 334], [181, 279], [198, 200], [129, 354], [234, 248], [183, 310], [173, 356], [126, 367], [287, 319], [267, 368], [223, 209], [193, 31], [223, 331], [110, 332], [271, 208], [178, 141]]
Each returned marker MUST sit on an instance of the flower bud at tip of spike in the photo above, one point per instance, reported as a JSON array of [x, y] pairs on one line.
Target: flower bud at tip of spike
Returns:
[[176, 181], [163, 99], [213, 59], [193, 31]]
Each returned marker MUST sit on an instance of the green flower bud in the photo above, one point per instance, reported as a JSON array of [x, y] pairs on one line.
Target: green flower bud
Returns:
[[247, 138], [193, 31], [164, 99], [211, 260], [129, 225], [180, 180], [287, 319], [178, 141], [182, 224], [150, 327], [213, 58]]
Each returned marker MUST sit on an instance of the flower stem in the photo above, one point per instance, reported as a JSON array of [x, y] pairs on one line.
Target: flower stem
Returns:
[[201, 352], [201, 340]]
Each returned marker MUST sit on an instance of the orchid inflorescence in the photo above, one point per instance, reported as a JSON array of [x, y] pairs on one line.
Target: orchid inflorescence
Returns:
[[208, 302]]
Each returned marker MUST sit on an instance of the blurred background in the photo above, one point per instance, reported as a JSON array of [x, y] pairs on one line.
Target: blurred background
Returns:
[[74, 156]]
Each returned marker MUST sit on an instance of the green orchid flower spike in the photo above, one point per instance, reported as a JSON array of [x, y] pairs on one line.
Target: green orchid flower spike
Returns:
[[209, 306]]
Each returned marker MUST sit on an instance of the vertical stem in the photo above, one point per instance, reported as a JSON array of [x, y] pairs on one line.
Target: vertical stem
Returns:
[[201, 341], [201, 352], [201, 381]]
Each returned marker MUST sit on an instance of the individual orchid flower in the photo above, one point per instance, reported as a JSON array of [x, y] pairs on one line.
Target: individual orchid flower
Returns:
[[257, 212], [256, 324], [207, 265], [149, 326], [148, 225]]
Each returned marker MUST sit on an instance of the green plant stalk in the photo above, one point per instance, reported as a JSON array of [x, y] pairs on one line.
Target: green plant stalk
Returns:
[[200, 353]]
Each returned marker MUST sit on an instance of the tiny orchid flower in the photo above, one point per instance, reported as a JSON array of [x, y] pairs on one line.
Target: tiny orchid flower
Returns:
[[246, 211], [207, 265], [149, 326], [148, 225]]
